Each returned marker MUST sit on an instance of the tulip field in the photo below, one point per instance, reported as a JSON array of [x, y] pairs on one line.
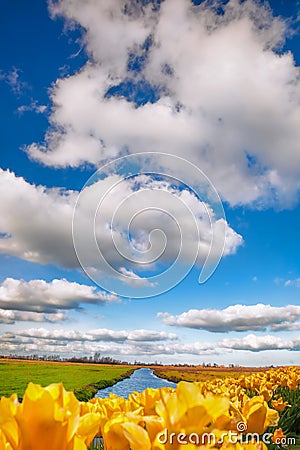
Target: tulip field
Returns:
[[201, 373], [253, 412]]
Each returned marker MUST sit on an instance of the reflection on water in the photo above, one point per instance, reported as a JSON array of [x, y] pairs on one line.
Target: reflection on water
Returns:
[[140, 380]]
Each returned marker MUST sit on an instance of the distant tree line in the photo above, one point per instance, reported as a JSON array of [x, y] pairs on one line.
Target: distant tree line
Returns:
[[98, 359], [95, 359]]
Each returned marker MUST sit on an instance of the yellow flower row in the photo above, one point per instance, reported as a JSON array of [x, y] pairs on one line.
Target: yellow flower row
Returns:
[[192, 416]]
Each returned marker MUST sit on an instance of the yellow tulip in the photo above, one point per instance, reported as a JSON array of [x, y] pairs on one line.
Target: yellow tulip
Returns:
[[8, 424], [266, 393], [153, 425], [44, 418], [258, 415], [278, 437], [279, 404], [147, 399], [123, 432], [47, 418], [187, 408], [4, 445], [88, 427]]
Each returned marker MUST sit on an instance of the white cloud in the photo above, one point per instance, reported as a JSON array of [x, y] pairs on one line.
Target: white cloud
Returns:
[[111, 342], [38, 296], [237, 318], [33, 106], [228, 101], [112, 28], [295, 283], [116, 350], [255, 343], [36, 224], [97, 335], [134, 279], [132, 343], [8, 316], [12, 78], [286, 326]]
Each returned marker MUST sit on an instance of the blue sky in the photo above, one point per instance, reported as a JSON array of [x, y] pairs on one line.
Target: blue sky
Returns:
[[82, 85]]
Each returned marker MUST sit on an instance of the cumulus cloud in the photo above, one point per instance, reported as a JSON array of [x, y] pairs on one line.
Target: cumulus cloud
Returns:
[[38, 296], [10, 317], [97, 335], [112, 342], [237, 318], [222, 95], [255, 343], [122, 343], [116, 350], [36, 224]]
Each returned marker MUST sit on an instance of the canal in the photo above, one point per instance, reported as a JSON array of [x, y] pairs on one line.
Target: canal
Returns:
[[140, 380]]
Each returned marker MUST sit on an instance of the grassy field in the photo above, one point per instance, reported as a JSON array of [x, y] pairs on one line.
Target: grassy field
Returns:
[[84, 379]]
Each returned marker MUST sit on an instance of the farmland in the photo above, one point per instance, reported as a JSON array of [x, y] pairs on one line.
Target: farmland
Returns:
[[200, 373], [84, 379], [230, 405]]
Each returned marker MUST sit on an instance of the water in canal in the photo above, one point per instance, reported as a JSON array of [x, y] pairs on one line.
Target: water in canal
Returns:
[[140, 380]]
